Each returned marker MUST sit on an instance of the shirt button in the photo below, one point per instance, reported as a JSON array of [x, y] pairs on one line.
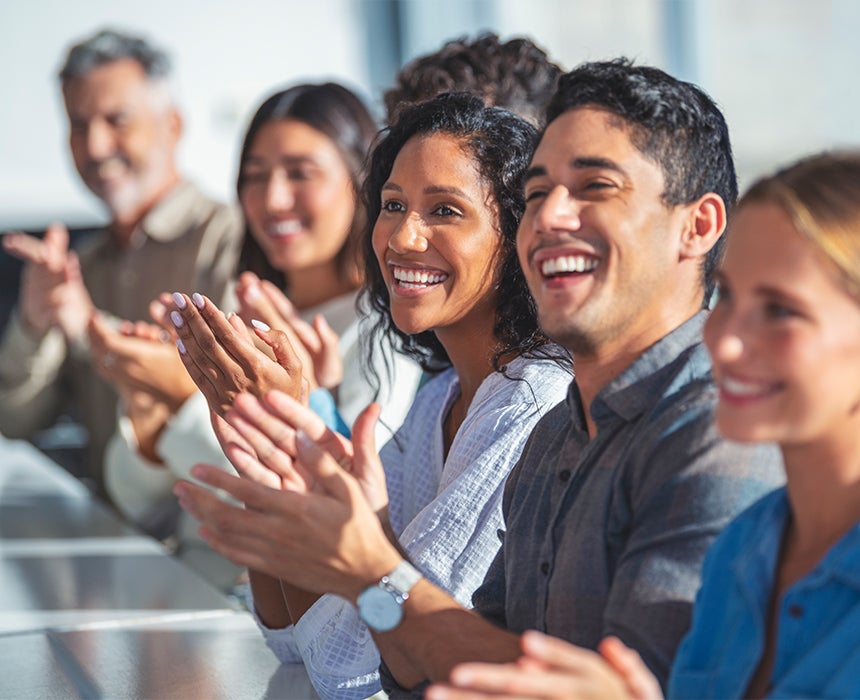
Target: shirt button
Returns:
[[564, 474], [795, 611], [544, 568]]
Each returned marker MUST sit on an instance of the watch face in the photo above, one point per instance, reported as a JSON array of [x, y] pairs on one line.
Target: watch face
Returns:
[[379, 609]]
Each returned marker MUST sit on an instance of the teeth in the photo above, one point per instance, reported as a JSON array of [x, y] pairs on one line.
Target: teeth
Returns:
[[417, 278], [739, 388], [568, 263], [285, 228]]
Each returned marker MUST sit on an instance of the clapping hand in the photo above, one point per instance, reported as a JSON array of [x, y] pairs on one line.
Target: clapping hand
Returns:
[[315, 344], [221, 357], [327, 539], [552, 669], [52, 289]]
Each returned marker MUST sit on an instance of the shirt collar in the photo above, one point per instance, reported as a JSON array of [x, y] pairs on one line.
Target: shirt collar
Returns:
[[173, 214], [676, 359]]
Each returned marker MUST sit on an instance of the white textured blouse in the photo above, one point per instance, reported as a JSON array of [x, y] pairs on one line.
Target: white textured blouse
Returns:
[[445, 512]]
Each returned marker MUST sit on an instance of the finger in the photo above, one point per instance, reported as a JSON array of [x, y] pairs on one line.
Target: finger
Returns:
[[56, 247], [254, 304], [209, 365], [229, 521], [257, 414], [253, 495], [24, 247], [440, 691], [267, 451], [279, 300], [208, 321], [489, 678], [239, 325], [282, 348], [327, 336], [73, 268], [306, 333], [557, 653], [627, 662], [325, 470], [206, 377], [226, 434], [364, 434]]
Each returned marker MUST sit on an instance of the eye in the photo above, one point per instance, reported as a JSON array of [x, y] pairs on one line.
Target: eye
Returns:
[[535, 195], [444, 210], [255, 177], [598, 185], [391, 206], [118, 120], [300, 174], [776, 311]]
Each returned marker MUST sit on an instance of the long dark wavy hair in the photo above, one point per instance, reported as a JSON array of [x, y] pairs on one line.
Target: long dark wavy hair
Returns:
[[501, 145], [340, 115]]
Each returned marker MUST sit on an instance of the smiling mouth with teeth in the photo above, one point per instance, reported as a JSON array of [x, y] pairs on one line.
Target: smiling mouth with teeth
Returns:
[[284, 228], [410, 278], [567, 264]]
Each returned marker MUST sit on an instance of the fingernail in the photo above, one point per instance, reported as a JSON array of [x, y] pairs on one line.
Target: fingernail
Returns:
[[179, 300], [177, 319], [253, 291], [259, 325], [198, 300], [303, 439], [180, 345]]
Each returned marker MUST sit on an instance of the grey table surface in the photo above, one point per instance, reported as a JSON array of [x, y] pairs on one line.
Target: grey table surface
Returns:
[[91, 608]]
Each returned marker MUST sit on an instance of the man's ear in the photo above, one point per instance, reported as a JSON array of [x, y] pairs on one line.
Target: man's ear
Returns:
[[176, 124], [705, 223]]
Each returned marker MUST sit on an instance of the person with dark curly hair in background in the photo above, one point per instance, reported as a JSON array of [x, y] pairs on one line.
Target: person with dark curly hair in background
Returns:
[[443, 200], [516, 75]]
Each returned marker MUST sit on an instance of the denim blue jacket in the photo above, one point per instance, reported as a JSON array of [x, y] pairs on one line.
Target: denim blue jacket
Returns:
[[818, 648]]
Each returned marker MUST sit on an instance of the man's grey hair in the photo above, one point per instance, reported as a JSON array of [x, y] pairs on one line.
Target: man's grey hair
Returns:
[[108, 46]]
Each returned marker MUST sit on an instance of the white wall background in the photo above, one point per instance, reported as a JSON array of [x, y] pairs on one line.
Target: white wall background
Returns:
[[783, 70]]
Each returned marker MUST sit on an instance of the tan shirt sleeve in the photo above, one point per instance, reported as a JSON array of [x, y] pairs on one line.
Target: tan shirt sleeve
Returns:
[[30, 396]]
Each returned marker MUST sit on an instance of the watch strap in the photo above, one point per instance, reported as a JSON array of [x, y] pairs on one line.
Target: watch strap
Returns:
[[403, 578]]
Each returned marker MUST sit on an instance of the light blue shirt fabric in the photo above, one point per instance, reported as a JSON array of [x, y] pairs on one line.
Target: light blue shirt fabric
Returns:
[[446, 511], [818, 645]]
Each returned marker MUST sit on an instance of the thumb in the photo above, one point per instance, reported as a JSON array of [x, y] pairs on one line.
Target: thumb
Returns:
[[56, 242], [364, 436]]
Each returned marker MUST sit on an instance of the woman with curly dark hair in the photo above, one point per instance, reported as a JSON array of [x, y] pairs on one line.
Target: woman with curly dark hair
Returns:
[[444, 199]]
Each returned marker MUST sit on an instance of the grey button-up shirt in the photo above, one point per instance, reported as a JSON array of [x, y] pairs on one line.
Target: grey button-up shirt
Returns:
[[607, 535]]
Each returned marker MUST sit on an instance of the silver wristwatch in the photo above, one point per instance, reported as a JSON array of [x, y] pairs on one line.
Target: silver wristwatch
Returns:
[[380, 606]]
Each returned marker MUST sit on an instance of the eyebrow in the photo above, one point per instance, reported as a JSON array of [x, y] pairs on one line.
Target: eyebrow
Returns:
[[254, 159], [432, 189], [578, 164]]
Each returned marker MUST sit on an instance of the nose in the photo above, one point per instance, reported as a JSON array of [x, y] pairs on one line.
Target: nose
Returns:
[[559, 210], [279, 192], [101, 141], [725, 336], [408, 236]]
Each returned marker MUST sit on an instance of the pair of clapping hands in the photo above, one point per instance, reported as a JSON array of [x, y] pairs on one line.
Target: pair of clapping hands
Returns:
[[220, 356]]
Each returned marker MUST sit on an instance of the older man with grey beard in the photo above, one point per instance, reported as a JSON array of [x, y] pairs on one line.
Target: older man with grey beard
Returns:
[[163, 234]]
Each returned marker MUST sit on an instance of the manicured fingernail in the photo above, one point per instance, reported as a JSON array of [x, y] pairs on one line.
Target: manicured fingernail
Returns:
[[180, 345], [198, 300], [259, 325], [179, 300], [177, 319], [253, 291]]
